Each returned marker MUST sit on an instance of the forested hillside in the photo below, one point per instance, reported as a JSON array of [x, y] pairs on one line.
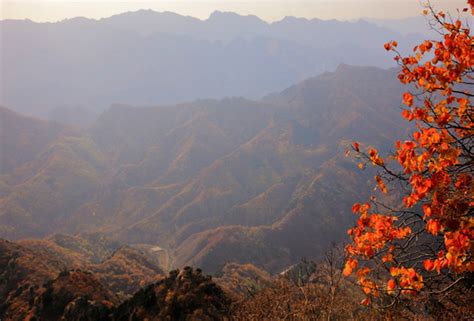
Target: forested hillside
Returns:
[[211, 181]]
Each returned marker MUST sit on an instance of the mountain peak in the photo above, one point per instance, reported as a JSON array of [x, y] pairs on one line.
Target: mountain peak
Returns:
[[223, 15], [218, 13], [292, 19], [343, 67], [77, 20]]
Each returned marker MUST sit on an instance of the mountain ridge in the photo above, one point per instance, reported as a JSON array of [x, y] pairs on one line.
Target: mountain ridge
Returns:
[[183, 177], [91, 70]]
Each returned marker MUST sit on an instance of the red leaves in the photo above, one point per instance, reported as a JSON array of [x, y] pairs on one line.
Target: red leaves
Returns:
[[390, 45], [374, 232], [408, 115], [424, 47], [356, 146], [391, 284], [428, 265], [410, 281], [433, 227], [408, 99], [421, 186], [350, 265], [365, 302], [433, 163], [355, 208], [459, 246], [416, 135], [427, 210], [375, 158], [381, 184], [464, 181]]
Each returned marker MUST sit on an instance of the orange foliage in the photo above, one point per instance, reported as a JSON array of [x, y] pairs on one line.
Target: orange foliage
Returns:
[[436, 168]]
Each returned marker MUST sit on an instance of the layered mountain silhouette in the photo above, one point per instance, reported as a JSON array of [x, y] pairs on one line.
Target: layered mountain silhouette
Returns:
[[77, 67], [208, 182]]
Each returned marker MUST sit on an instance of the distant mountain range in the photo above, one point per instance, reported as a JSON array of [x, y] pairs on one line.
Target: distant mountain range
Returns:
[[74, 69], [208, 182]]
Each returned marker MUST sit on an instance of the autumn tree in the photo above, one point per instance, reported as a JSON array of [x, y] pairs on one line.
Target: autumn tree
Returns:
[[422, 246]]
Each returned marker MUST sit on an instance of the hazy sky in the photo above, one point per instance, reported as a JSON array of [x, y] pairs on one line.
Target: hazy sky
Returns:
[[270, 10]]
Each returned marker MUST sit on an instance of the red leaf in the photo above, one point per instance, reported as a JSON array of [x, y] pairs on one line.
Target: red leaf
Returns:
[[356, 146], [429, 265]]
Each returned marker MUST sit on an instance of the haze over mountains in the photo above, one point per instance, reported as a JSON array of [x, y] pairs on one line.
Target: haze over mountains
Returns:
[[260, 179], [212, 181], [72, 70], [145, 142]]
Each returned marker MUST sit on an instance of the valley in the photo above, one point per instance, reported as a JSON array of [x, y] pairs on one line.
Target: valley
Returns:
[[212, 181]]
